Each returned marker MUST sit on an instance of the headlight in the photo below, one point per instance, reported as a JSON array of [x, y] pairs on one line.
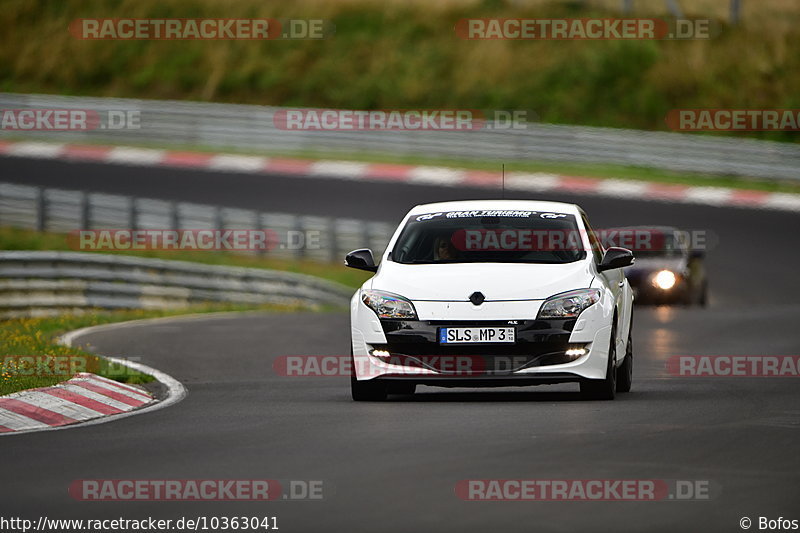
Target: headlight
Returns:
[[388, 305], [569, 304], [665, 280]]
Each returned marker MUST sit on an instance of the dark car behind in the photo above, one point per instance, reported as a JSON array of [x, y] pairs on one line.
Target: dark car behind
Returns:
[[668, 269]]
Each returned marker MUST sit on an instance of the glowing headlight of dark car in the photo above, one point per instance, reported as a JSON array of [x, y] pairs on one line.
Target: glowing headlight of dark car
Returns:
[[665, 280]]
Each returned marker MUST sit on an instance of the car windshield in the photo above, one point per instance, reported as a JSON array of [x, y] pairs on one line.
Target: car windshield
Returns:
[[661, 244], [645, 242], [494, 236]]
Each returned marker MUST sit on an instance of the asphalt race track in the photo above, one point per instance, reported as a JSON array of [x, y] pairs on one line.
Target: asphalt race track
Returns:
[[394, 466]]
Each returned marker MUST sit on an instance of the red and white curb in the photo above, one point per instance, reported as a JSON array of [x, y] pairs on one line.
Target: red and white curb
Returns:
[[88, 399], [82, 398], [535, 182]]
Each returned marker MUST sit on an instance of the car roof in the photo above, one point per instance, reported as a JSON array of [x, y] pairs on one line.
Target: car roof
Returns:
[[664, 229], [525, 205]]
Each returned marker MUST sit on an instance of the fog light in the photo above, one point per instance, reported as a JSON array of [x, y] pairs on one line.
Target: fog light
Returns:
[[665, 280], [575, 352], [380, 353]]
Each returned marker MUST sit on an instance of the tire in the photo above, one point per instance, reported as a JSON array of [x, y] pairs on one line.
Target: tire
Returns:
[[687, 297], [604, 389], [625, 370], [372, 390], [703, 300], [402, 387]]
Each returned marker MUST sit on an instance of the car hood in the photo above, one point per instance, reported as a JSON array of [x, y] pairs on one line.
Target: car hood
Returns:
[[497, 281]]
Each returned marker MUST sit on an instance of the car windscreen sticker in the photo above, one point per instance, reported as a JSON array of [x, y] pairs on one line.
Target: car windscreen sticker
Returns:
[[490, 213], [428, 216]]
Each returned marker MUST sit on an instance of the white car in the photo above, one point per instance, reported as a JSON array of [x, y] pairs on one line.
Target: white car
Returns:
[[492, 293]]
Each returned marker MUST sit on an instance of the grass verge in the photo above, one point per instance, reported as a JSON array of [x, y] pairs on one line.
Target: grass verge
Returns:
[[387, 55]]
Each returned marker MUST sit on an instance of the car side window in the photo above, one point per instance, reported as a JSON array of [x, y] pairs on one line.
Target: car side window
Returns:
[[597, 247]]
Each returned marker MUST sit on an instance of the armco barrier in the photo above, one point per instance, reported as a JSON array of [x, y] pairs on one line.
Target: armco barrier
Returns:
[[225, 126], [322, 239], [46, 282]]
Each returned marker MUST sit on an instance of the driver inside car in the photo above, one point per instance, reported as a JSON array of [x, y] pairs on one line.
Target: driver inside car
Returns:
[[443, 250]]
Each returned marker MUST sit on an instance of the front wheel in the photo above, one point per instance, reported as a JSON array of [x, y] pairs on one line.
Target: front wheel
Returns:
[[371, 390], [703, 300], [625, 370], [604, 389], [402, 387]]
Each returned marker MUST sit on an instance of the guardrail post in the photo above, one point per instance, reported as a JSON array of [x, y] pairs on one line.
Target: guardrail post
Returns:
[[736, 12], [41, 209], [174, 216], [333, 240], [627, 6], [675, 8], [133, 215], [218, 221], [299, 226], [257, 225], [86, 217]]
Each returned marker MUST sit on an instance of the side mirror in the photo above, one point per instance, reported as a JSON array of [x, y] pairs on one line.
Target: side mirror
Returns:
[[615, 258], [361, 259]]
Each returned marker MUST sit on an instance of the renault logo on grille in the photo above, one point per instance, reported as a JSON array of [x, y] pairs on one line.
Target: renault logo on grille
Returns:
[[477, 298]]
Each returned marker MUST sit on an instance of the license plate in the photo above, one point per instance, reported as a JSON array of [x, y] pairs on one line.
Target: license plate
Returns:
[[475, 334]]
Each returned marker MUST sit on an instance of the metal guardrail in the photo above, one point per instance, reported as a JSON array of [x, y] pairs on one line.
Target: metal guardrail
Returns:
[[324, 239], [48, 282], [225, 126]]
